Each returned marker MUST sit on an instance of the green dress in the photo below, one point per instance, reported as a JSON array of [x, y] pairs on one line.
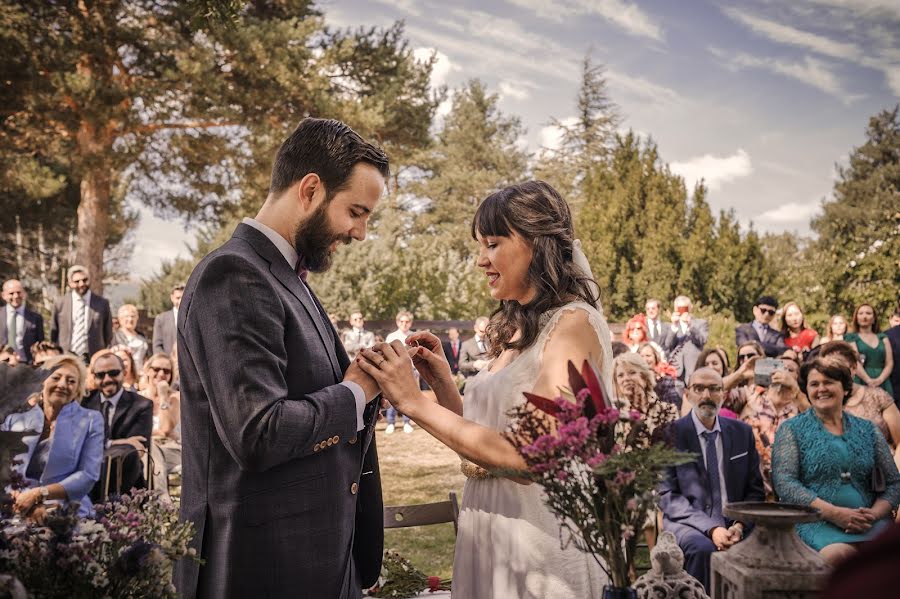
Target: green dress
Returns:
[[875, 358]]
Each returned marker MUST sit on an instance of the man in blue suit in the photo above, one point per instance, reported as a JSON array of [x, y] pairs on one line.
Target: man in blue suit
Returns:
[[726, 471], [758, 329]]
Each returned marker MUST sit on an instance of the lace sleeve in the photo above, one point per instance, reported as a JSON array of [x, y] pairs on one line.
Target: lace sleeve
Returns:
[[885, 460], [786, 469]]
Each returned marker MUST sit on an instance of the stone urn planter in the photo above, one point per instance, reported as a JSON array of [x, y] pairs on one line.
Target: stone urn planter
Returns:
[[772, 562], [667, 578]]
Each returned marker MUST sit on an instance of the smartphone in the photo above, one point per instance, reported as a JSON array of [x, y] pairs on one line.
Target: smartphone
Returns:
[[763, 370]]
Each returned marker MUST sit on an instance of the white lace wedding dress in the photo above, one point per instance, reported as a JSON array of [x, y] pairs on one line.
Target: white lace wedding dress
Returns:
[[509, 544]]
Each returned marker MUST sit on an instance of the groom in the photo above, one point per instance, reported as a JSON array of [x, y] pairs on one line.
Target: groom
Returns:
[[280, 473]]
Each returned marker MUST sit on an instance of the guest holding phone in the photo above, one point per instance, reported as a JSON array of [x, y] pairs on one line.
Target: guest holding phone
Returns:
[[685, 339]]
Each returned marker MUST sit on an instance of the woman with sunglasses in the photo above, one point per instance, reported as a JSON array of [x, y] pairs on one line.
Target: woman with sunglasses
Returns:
[[165, 450], [63, 456]]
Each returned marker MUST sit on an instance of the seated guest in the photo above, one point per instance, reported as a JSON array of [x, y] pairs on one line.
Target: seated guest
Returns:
[[128, 419], [835, 462], [685, 339], [43, 351], [357, 338], [727, 470], [767, 407], [837, 328], [130, 380], [633, 383], [796, 334], [62, 471], [128, 335], [871, 403], [771, 339], [165, 449], [878, 359], [739, 384], [635, 333], [717, 359], [452, 349], [667, 387]]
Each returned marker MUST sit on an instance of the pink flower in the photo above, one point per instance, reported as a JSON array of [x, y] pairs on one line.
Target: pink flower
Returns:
[[583, 395], [634, 415], [562, 475], [623, 478], [596, 459]]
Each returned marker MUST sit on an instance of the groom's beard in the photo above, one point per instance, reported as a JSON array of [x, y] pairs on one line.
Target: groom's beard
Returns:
[[314, 238]]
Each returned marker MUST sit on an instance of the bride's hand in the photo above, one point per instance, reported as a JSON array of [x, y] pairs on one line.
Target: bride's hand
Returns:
[[390, 366], [429, 358]]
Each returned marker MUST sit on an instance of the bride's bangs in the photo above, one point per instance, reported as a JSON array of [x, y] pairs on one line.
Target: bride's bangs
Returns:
[[491, 218]]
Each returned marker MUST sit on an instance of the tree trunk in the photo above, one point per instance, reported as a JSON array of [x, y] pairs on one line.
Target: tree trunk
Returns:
[[93, 224]]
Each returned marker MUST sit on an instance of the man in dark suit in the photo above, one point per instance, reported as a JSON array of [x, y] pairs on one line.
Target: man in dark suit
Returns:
[[82, 321], [759, 330], [20, 328], [452, 349], [684, 338], [893, 336], [164, 324], [727, 470], [280, 471], [656, 327], [128, 423], [473, 356]]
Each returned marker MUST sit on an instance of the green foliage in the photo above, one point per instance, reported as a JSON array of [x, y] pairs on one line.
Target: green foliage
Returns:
[[858, 246]]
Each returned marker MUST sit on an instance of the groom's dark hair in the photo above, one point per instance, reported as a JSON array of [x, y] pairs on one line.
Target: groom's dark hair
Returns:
[[328, 148]]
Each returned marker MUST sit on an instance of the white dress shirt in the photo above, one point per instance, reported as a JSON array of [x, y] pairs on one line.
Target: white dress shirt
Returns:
[[720, 450], [291, 257]]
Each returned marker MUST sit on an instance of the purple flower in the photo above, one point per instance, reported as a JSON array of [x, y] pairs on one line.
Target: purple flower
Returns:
[[596, 459], [562, 475]]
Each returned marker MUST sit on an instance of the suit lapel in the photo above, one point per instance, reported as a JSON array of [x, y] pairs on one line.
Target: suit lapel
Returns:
[[121, 412], [693, 445], [728, 450], [279, 268]]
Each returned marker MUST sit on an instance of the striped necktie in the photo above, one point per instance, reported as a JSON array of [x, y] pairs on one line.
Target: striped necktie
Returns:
[[79, 331]]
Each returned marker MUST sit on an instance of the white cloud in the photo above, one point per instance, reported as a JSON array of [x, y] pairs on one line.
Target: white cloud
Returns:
[[442, 67], [515, 90], [641, 88], [408, 6], [714, 170], [811, 71], [550, 137], [628, 16], [792, 212]]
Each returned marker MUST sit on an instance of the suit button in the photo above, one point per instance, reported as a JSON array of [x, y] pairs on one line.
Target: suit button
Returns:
[[336, 439], [327, 442], [354, 489], [352, 440], [316, 447]]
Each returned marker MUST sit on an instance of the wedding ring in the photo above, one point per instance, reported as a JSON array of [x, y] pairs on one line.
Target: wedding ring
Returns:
[[383, 360]]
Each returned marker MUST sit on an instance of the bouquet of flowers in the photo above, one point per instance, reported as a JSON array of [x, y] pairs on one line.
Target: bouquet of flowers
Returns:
[[400, 579], [597, 466], [126, 550]]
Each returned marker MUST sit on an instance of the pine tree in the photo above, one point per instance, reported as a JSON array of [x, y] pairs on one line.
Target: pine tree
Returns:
[[858, 246]]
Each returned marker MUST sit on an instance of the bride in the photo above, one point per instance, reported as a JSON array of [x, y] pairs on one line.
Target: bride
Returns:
[[509, 544]]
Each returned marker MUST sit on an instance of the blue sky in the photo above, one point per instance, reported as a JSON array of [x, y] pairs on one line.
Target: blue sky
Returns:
[[760, 98]]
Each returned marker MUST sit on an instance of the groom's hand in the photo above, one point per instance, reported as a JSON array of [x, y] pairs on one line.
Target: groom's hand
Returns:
[[357, 375]]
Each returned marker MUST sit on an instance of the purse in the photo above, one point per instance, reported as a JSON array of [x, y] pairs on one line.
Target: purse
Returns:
[[879, 484]]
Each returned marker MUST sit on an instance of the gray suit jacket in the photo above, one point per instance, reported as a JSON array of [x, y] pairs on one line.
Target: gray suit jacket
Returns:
[[469, 354], [682, 351], [164, 332], [99, 324], [284, 493]]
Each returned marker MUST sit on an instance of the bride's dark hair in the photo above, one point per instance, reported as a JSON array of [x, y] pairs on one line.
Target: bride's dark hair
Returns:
[[536, 212]]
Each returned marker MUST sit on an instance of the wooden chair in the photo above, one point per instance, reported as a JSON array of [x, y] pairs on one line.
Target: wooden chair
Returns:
[[403, 516]]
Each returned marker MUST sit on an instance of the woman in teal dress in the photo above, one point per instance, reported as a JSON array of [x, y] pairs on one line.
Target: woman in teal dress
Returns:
[[874, 349], [826, 458]]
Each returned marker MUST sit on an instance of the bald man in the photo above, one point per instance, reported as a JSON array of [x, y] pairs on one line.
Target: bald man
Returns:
[[726, 470], [20, 328]]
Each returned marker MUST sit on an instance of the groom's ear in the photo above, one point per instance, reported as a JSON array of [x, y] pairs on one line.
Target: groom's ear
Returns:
[[310, 192]]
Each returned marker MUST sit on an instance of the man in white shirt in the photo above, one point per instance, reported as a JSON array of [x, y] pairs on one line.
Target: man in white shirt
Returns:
[[164, 325], [20, 328], [404, 326], [474, 351], [82, 321], [357, 338], [655, 325]]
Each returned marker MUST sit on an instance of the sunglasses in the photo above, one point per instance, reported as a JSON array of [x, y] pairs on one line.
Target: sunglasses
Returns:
[[160, 369], [112, 373], [742, 357], [768, 311]]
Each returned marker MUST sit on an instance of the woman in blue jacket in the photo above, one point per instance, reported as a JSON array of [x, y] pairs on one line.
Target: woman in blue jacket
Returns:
[[63, 456]]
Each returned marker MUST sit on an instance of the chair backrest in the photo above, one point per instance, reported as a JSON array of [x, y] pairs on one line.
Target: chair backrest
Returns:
[[403, 516]]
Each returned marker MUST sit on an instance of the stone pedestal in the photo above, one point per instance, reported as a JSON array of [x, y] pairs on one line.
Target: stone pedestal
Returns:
[[772, 563]]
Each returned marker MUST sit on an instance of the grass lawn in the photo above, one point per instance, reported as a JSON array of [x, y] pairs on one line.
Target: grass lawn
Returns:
[[415, 468]]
